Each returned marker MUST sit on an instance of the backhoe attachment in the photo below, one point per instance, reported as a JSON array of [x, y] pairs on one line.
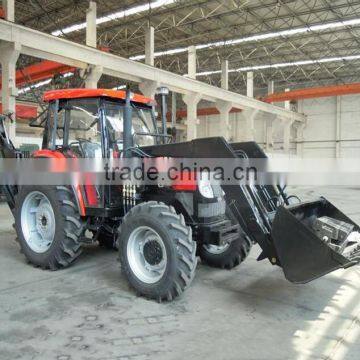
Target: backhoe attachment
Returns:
[[7, 150]]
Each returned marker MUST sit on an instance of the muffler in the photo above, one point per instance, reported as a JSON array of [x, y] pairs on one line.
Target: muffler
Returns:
[[314, 238]]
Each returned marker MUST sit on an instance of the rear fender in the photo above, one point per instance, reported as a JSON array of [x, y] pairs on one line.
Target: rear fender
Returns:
[[53, 154]]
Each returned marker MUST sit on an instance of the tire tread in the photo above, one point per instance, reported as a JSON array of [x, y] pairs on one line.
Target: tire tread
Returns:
[[183, 243]]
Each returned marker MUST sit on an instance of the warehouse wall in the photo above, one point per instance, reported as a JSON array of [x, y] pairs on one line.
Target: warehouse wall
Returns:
[[320, 134]]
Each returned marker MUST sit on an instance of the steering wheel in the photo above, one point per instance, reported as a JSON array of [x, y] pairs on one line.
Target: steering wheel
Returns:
[[82, 146], [81, 142]]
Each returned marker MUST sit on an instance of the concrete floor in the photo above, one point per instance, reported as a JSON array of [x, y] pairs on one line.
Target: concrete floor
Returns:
[[252, 312]]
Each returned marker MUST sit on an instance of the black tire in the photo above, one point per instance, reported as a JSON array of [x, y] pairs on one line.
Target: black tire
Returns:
[[231, 257], [65, 247], [179, 246]]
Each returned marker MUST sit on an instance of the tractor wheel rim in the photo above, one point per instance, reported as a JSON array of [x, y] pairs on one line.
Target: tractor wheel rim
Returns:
[[146, 254], [38, 222], [216, 250]]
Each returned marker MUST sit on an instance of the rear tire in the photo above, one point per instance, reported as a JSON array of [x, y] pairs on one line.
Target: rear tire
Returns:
[[157, 253], [48, 226]]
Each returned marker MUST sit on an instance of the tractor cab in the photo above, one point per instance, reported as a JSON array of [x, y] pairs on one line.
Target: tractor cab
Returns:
[[89, 123], [97, 123]]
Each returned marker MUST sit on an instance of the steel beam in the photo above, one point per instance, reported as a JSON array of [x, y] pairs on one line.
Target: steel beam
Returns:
[[149, 46], [300, 139], [191, 100], [182, 113], [250, 84], [269, 135], [249, 115], [93, 77], [338, 128], [287, 104], [287, 126], [173, 108], [271, 87], [9, 54], [225, 74], [9, 7], [224, 108], [192, 62], [45, 46], [40, 71], [148, 88], [314, 92], [91, 25]]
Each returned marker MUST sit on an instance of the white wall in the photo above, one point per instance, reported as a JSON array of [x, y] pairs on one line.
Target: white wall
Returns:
[[319, 134]]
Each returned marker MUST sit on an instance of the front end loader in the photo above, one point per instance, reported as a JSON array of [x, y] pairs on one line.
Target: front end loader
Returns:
[[308, 240], [161, 230]]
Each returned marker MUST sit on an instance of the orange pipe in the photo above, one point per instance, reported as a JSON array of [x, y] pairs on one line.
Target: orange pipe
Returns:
[[24, 111], [44, 69], [316, 92], [40, 71]]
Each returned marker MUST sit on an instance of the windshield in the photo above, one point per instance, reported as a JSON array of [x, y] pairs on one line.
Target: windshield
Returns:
[[142, 124]]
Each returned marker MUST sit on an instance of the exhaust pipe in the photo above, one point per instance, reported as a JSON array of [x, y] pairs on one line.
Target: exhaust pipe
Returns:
[[163, 92], [128, 140]]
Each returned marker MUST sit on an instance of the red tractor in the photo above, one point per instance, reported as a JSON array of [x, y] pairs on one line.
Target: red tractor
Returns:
[[160, 230]]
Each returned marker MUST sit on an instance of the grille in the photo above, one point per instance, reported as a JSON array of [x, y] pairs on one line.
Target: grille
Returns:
[[211, 209]]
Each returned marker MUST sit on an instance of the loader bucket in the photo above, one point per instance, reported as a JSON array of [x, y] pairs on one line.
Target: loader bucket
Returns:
[[303, 255]]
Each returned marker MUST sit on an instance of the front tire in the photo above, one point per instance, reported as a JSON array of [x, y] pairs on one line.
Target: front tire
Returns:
[[227, 256], [48, 226], [157, 253]]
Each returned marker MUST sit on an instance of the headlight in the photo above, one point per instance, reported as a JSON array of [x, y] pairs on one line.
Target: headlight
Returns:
[[205, 188]]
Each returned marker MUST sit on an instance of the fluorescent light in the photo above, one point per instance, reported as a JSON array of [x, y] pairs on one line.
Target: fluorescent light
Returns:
[[120, 87], [117, 15], [286, 64], [41, 83], [259, 37], [161, 53], [28, 88]]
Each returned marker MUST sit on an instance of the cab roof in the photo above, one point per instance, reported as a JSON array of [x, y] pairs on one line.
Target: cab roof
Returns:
[[90, 93]]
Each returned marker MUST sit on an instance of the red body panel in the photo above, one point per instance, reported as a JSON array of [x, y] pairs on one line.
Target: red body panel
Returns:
[[45, 153], [186, 181]]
